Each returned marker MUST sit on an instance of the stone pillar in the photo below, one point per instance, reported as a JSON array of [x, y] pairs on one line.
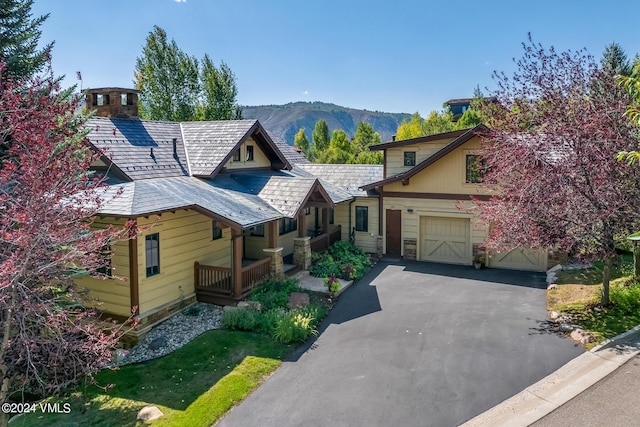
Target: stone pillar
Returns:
[[276, 268], [302, 252], [379, 247], [410, 246]]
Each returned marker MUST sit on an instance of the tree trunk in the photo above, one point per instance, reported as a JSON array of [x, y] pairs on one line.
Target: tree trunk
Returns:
[[606, 275]]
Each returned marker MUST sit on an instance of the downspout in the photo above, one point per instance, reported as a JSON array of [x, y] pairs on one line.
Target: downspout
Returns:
[[349, 229]]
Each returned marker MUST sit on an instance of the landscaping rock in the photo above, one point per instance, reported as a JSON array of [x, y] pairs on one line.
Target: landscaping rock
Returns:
[[555, 268], [249, 305], [120, 354], [567, 327], [583, 337], [298, 299], [149, 413], [158, 343], [552, 286], [554, 316], [551, 277]]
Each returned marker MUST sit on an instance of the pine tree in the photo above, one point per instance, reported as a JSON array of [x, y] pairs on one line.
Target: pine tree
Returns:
[[301, 141], [19, 37]]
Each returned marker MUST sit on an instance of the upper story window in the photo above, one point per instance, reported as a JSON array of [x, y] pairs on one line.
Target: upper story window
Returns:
[[249, 153], [236, 155], [152, 254], [216, 231], [287, 225], [475, 169], [362, 218], [409, 158], [100, 99], [307, 211], [258, 230], [126, 99]]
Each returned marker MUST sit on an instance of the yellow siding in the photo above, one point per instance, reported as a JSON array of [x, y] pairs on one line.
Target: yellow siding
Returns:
[[111, 295], [395, 156], [434, 208], [286, 242], [185, 237], [365, 240], [260, 160], [447, 175], [254, 245]]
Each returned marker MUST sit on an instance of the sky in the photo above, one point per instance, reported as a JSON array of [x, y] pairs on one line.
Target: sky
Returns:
[[394, 56]]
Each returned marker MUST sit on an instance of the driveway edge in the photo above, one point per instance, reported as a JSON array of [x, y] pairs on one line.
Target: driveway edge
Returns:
[[556, 389]]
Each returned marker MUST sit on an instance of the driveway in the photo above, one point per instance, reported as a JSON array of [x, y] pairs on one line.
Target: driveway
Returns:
[[414, 344]]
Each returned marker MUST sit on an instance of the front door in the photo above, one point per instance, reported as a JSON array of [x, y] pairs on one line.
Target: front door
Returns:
[[393, 232]]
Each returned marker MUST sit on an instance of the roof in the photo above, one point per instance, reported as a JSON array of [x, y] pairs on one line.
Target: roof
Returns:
[[466, 136], [418, 140], [468, 100], [349, 177], [111, 89], [139, 149], [292, 154]]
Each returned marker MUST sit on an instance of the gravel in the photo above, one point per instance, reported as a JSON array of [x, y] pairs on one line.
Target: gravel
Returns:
[[173, 333]]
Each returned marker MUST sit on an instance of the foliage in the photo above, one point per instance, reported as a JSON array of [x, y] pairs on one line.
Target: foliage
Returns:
[[319, 140], [340, 255], [614, 60], [176, 87], [555, 130], [301, 141], [48, 199], [241, 320], [338, 151], [627, 298], [274, 293], [20, 39], [294, 326], [193, 386], [332, 283]]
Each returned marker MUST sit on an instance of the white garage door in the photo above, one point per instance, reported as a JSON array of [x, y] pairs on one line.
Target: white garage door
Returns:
[[445, 240], [520, 259]]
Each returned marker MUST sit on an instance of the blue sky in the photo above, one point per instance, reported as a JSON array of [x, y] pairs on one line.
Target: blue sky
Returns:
[[402, 56]]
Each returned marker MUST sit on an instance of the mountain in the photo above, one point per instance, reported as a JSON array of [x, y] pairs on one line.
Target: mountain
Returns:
[[285, 120]]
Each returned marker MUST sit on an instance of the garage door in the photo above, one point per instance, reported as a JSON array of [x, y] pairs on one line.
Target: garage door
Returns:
[[520, 259], [445, 240]]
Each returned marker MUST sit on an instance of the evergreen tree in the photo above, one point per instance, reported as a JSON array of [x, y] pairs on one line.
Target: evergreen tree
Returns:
[[614, 60], [301, 141], [19, 37]]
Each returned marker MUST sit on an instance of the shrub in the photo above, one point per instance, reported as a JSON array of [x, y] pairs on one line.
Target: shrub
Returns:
[[241, 320], [627, 298], [294, 326], [325, 266], [274, 293], [339, 256]]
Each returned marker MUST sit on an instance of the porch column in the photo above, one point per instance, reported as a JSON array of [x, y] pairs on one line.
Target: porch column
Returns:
[[302, 252], [302, 229], [276, 267], [236, 263], [272, 229], [325, 220]]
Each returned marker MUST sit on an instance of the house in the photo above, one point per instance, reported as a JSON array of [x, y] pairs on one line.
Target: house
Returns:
[[459, 106], [426, 197], [220, 206]]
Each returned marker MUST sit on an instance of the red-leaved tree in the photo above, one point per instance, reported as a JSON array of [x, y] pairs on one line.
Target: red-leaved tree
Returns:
[[48, 340], [551, 151]]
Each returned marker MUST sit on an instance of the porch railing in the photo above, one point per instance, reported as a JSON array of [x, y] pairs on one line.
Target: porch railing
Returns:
[[335, 235], [253, 274], [322, 242], [213, 279]]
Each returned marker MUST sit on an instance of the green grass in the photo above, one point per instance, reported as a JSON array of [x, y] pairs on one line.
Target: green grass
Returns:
[[192, 386]]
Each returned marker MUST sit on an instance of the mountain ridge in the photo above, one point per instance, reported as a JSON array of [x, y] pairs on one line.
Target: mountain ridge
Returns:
[[284, 120]]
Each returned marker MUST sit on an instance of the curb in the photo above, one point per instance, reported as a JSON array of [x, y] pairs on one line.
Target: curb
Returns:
[[556, 389]]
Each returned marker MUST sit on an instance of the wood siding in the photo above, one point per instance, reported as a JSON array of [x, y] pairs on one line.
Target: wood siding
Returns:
[[260, 160], [185, 237], [395, 156], [111, 295], [365, 240]]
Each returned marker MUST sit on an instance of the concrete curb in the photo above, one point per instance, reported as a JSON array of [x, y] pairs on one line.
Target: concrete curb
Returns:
[[558, 388]]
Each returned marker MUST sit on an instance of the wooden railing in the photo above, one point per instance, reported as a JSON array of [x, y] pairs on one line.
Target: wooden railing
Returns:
[[213, 279], [335, 235], [254, 273], [320, 243]]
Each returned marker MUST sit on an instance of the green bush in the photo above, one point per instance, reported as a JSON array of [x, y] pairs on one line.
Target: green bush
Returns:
[[273, 293], [325, 266], [339, 256], [294, 326], [241, 320], [627, 298]]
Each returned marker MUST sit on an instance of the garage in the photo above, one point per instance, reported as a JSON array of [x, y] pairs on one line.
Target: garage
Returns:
[[445, 240], [520, 259]]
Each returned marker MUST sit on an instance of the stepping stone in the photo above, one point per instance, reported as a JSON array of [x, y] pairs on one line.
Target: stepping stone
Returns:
[[298, 299]]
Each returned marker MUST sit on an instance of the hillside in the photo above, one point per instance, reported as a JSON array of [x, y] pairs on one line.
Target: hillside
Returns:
[[286, 120]]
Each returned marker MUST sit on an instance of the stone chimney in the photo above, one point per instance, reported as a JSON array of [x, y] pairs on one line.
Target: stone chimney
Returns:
[[113, 101]]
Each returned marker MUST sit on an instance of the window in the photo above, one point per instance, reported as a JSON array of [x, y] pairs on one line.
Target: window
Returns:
[[236, 155], [258, 230], [249, 153], [126, 98], [307, 211], [152, 252], [475, 169], [331, 218], [101, 99], [362, 218], [105, 256], [409, 158], [216, 231], [287, 225]]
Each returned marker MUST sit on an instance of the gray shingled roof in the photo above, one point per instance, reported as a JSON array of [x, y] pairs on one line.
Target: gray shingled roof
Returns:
[[141, 149], [347, 177], [209, 143], [163, 194], [291, 155]]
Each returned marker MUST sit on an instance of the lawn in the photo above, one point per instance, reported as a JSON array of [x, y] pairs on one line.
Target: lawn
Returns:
[[578, 294], [192, 386]]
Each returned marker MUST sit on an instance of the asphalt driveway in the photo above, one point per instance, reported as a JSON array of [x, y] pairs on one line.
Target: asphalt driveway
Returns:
[[415, 344]]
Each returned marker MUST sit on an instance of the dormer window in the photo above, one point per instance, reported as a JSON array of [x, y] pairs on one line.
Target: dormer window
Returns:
[[249, 153], [100, 99], [236, 156], [126, 99], [409, 158], [476, 168]]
